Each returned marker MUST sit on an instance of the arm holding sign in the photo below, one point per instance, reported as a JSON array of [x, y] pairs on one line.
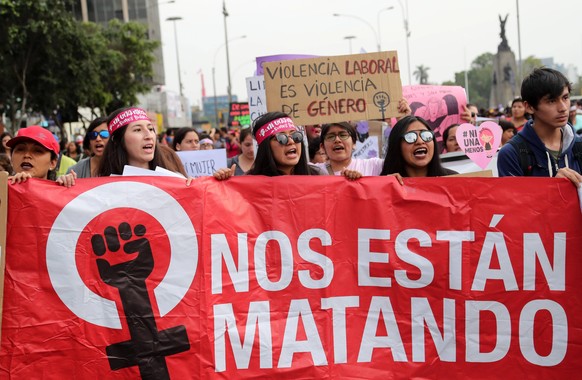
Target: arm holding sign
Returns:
[[67, 180], [351, 175], [224, 173], [19, 178], [571, 174], [465, 115], [403, 108]]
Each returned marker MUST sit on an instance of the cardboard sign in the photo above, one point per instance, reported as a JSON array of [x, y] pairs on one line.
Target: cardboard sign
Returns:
[[201, 163], [257, 97], [238, 115], [334, 89], [479, 143], [293, 277]]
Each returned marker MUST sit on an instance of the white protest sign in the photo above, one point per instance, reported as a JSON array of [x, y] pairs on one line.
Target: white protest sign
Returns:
[[200, 163], [367, 149], [257, 96]]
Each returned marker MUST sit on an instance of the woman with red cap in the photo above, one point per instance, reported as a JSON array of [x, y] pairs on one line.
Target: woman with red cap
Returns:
[[34, 152]]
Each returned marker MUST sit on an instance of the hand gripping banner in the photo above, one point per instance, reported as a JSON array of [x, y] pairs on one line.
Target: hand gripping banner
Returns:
[[293, 277]]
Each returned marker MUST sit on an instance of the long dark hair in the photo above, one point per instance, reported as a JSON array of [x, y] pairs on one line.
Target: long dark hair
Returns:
[[394, 162], [181, 134], [264, 162], [94, 124], [115, 154], [4, 134]]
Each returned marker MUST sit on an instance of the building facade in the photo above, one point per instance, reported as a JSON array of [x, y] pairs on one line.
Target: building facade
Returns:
[[142, 11]]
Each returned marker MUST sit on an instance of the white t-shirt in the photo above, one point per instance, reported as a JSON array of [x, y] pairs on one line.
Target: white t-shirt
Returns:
[[368, 166]]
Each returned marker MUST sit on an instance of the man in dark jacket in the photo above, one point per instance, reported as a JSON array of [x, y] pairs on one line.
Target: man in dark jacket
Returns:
[[549, 139]]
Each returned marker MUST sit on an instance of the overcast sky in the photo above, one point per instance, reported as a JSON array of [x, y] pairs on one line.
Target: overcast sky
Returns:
[[446, 36]]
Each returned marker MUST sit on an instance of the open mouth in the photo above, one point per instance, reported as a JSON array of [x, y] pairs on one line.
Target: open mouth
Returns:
[[26, 166], [420, 152], [338, 148], [148, 147], [291, 152]]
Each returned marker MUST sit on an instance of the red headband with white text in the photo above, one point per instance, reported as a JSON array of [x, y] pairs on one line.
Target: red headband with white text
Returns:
[[273, 128], [128, 116]]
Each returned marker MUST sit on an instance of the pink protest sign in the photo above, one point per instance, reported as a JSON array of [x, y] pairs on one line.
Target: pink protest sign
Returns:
[[440, 106], [479, 142]]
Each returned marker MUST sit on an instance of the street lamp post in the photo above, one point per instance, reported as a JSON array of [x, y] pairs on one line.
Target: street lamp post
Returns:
[[350, 38], [407, 31], [365, 22], [378, 17], [229, 88], [520, 67], [174, 19], [214, 75]]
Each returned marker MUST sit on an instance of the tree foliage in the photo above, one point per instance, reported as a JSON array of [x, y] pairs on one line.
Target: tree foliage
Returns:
[[480, 77], [51, 63], [421, 74]]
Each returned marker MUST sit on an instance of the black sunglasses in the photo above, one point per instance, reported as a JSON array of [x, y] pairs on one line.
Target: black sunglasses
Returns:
[[93, 134], [283, 138], [412, 136]]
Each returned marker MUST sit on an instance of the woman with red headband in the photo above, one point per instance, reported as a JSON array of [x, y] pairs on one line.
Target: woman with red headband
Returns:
[[280, 150], [132, 142]]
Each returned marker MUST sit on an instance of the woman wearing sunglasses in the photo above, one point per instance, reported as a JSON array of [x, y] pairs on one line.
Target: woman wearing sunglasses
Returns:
[[95, 141], [280, 150], [412, 151]]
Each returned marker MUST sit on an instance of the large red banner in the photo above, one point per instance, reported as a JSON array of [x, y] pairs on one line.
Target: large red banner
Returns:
[[319, 277]]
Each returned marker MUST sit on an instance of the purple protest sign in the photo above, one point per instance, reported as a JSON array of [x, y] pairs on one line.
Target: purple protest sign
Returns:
[[278, 57]]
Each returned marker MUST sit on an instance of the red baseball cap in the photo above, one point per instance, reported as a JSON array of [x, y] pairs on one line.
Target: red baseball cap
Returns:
[[37, 134]]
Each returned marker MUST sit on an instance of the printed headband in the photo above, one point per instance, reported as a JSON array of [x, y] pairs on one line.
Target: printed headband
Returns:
[[273, 128], [126, 117]]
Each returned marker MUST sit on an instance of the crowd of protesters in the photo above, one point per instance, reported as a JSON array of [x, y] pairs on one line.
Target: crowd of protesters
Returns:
[[542, 120]]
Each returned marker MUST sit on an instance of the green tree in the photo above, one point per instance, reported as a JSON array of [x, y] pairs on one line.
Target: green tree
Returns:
[[421, 74], [50, 63], [529, 64], [34, 39], [133, 55], [479, 77]]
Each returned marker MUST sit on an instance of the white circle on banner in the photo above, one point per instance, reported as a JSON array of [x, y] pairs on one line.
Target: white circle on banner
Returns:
[[74, 217]]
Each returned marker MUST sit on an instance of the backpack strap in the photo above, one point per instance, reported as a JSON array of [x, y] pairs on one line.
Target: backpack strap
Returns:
[[526, 157], [577, 152], [329, 169]]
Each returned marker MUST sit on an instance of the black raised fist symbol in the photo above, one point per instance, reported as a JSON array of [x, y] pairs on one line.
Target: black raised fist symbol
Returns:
[[135, 270], [147, 347], [381, 100]]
